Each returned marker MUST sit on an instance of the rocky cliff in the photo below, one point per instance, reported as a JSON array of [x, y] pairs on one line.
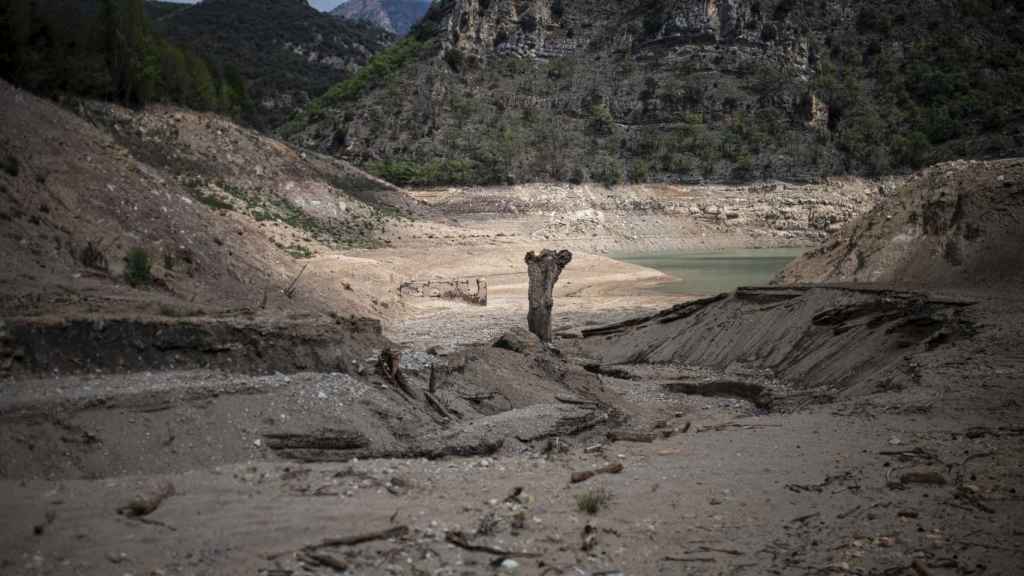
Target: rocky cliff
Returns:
[[395, 16], [500, 91]]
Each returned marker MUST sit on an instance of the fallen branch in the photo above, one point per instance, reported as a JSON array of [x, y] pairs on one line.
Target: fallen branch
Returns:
[[433, 401], [585, 475], [395, 532], [576, 401], [630, 436], [389, 363], [327, 560], [729, 551], [290, 291], [681, 559], [804, 518], [459, 539], [727, 425]]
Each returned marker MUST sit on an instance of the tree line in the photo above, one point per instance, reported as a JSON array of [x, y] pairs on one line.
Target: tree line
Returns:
[[107, 49]]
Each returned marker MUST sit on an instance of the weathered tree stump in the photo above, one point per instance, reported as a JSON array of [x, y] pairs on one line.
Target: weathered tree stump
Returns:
[[544, 270], [389, 363]]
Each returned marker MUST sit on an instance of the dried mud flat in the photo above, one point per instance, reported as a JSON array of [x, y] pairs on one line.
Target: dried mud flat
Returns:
[[793, 457]]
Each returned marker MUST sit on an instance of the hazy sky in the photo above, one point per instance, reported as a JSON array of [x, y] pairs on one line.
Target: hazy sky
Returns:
[[324, 5]]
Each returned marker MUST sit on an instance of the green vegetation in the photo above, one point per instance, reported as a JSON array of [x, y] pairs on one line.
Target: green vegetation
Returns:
[[593, 501], [107, 49], [211, 200], [138, 268], [377, 72], [281, 52], [895, 87]]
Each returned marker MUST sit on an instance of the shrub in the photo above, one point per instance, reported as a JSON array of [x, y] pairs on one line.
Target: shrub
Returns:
[[608, 171], [455, 59], [593, 501], [138, 267]]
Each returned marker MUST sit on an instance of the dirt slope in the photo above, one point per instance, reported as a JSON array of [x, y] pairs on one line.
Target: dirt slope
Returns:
[[223, 214], [956, 224]]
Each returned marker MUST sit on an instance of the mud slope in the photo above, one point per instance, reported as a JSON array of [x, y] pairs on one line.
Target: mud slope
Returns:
[[222, 213], [483, 401], [788, 346], [959, 224]]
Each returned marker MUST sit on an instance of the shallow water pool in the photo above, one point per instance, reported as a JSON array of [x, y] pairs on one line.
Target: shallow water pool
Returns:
[[716, 271]]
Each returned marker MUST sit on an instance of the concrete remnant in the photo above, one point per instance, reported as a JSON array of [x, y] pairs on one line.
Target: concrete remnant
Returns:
[[455, 289]]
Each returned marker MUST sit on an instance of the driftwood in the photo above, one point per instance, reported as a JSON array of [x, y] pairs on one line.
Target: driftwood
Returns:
[[326, 439], [630, 436], [588, 474], [327, 560], [395, 532], [544, 270], [389, 364], [436, 404], [290, 291], [459, 539]]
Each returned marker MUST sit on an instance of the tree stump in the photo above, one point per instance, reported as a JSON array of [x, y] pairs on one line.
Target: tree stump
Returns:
[[544, 270]]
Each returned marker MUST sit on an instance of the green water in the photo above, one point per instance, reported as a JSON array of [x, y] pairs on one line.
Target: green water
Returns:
[[714, 272]]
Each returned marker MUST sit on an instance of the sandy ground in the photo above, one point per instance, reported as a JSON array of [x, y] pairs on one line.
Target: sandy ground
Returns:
[[791, 494]]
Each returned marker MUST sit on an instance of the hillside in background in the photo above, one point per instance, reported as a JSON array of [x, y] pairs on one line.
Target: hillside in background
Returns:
[[395, 16], [112, 209], [286, 51], [108, 50], [680, 90]]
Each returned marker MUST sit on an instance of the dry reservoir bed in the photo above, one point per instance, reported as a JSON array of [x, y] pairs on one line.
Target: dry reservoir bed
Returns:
[[780, 449]]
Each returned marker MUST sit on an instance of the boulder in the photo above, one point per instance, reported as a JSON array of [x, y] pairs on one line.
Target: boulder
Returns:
[[519, 340]]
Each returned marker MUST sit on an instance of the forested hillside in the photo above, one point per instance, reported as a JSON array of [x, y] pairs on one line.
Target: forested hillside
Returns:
[[108, 49], [286, 52], [681, 90]]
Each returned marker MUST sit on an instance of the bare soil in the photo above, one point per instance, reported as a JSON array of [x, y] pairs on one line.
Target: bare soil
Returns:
[[184, 428]]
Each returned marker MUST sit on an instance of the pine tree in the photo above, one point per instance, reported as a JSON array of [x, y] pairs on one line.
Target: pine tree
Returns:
[[128, 50]]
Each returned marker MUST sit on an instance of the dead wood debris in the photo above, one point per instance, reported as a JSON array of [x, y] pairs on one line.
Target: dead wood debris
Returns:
[[389, 363], [387, 534], [324, 559], [585, 475], [459, 539]]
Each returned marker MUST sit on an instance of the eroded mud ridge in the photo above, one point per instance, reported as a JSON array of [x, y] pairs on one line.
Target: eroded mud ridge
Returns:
[[788, 346], [773, 348], [33, 345]]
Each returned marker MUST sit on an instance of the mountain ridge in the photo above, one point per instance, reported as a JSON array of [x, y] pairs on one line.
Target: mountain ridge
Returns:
[[395, 16]]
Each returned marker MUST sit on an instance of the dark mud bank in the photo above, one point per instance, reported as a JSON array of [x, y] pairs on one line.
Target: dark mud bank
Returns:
[[250, 346]]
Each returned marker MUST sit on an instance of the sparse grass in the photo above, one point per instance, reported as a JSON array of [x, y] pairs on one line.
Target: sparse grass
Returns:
[[593, 501], [212, 201], [299, 251], [10, 165], [138, 268]]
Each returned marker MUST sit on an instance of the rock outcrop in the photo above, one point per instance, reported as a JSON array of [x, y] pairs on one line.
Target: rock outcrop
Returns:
[[395, 16]]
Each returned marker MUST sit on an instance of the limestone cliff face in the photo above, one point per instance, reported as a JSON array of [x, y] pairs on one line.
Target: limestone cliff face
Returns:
[[683, 91], [395, 16]]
